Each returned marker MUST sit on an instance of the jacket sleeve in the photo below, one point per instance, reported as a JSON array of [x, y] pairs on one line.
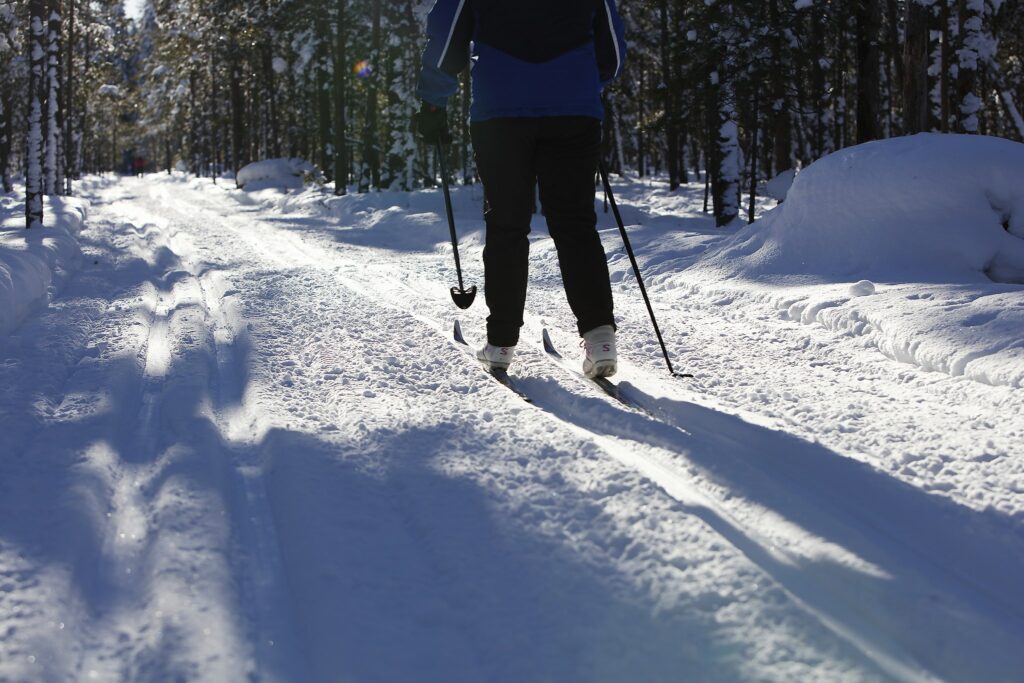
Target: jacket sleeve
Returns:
[[449, 31], [609, 41]]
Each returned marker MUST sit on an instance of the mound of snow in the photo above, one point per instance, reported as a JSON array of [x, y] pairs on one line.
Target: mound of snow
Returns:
[[284, 174], [928, 208], [35, 264], [778, 187], [862, 288]]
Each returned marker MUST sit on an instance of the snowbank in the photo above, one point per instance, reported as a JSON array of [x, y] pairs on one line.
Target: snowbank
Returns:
[[284, 174], [404, 221], [938, 219], [34, 264], [928, 208]]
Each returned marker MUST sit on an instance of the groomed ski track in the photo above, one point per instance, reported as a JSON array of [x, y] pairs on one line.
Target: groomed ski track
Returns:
[[239, 447]]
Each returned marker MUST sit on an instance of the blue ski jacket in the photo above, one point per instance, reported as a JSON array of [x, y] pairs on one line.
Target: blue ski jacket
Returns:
[[530, 57]]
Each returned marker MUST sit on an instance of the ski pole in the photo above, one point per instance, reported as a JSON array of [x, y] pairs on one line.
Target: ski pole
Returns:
[[636, 268], [462, 297]]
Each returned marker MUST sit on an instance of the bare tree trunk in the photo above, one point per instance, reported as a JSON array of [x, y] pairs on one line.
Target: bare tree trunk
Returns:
[[237, 108], [270, 81], [946, 63], [6, 138], [893, 43], [641, 142], [671, 120], [325, 147], [370, 176], [70, 149], [753, 160], [467, 143], [817, 84], [780, 122], [868, 70], [340, 72], [839, 102], [915, 68]]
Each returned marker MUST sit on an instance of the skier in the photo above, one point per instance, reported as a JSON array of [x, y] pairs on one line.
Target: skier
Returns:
[[539, 67]]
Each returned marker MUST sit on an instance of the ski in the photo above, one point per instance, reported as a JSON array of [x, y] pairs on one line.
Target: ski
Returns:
[[500, 376], [603, 383]]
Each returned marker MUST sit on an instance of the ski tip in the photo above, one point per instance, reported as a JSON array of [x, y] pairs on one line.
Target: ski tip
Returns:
[[549, 347], [458, 333]]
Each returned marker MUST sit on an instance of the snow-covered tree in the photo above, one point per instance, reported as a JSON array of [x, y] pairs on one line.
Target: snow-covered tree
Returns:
[[402, 59], [36, 46], [11, 72], [53, 175], [216, 83]]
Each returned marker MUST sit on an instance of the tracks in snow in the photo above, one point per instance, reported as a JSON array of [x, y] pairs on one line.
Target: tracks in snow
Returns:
[[793, 508], [302, 494]]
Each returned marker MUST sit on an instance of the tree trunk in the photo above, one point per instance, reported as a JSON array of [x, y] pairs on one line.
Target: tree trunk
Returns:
[[213, 120], [725, 153], [270, 79], [753, 160], [671, 120], [34, 138], [946, 62], [370, 176], [782, 151], [892, 51], [53, 181], [6, 138], [641, 141], [968, 102], [340, 71], [818, 97], [70, 155], [915, 68], [869, 113], [237, 109], [839, 96], [467, 136]]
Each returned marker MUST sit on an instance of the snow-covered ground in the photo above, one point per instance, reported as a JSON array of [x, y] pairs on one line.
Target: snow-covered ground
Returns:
[[35, 264], [241, 444]]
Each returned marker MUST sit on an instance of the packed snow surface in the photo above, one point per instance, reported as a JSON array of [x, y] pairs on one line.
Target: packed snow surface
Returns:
[[240, 444]]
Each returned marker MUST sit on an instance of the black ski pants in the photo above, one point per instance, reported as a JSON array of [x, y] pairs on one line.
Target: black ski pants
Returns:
[[560, 154]]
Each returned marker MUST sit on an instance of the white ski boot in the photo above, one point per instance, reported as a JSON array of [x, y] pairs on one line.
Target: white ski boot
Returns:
[[599, 346], [496, 357]]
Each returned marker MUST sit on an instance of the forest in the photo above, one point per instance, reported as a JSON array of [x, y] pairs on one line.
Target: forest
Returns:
[[725, 93]]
